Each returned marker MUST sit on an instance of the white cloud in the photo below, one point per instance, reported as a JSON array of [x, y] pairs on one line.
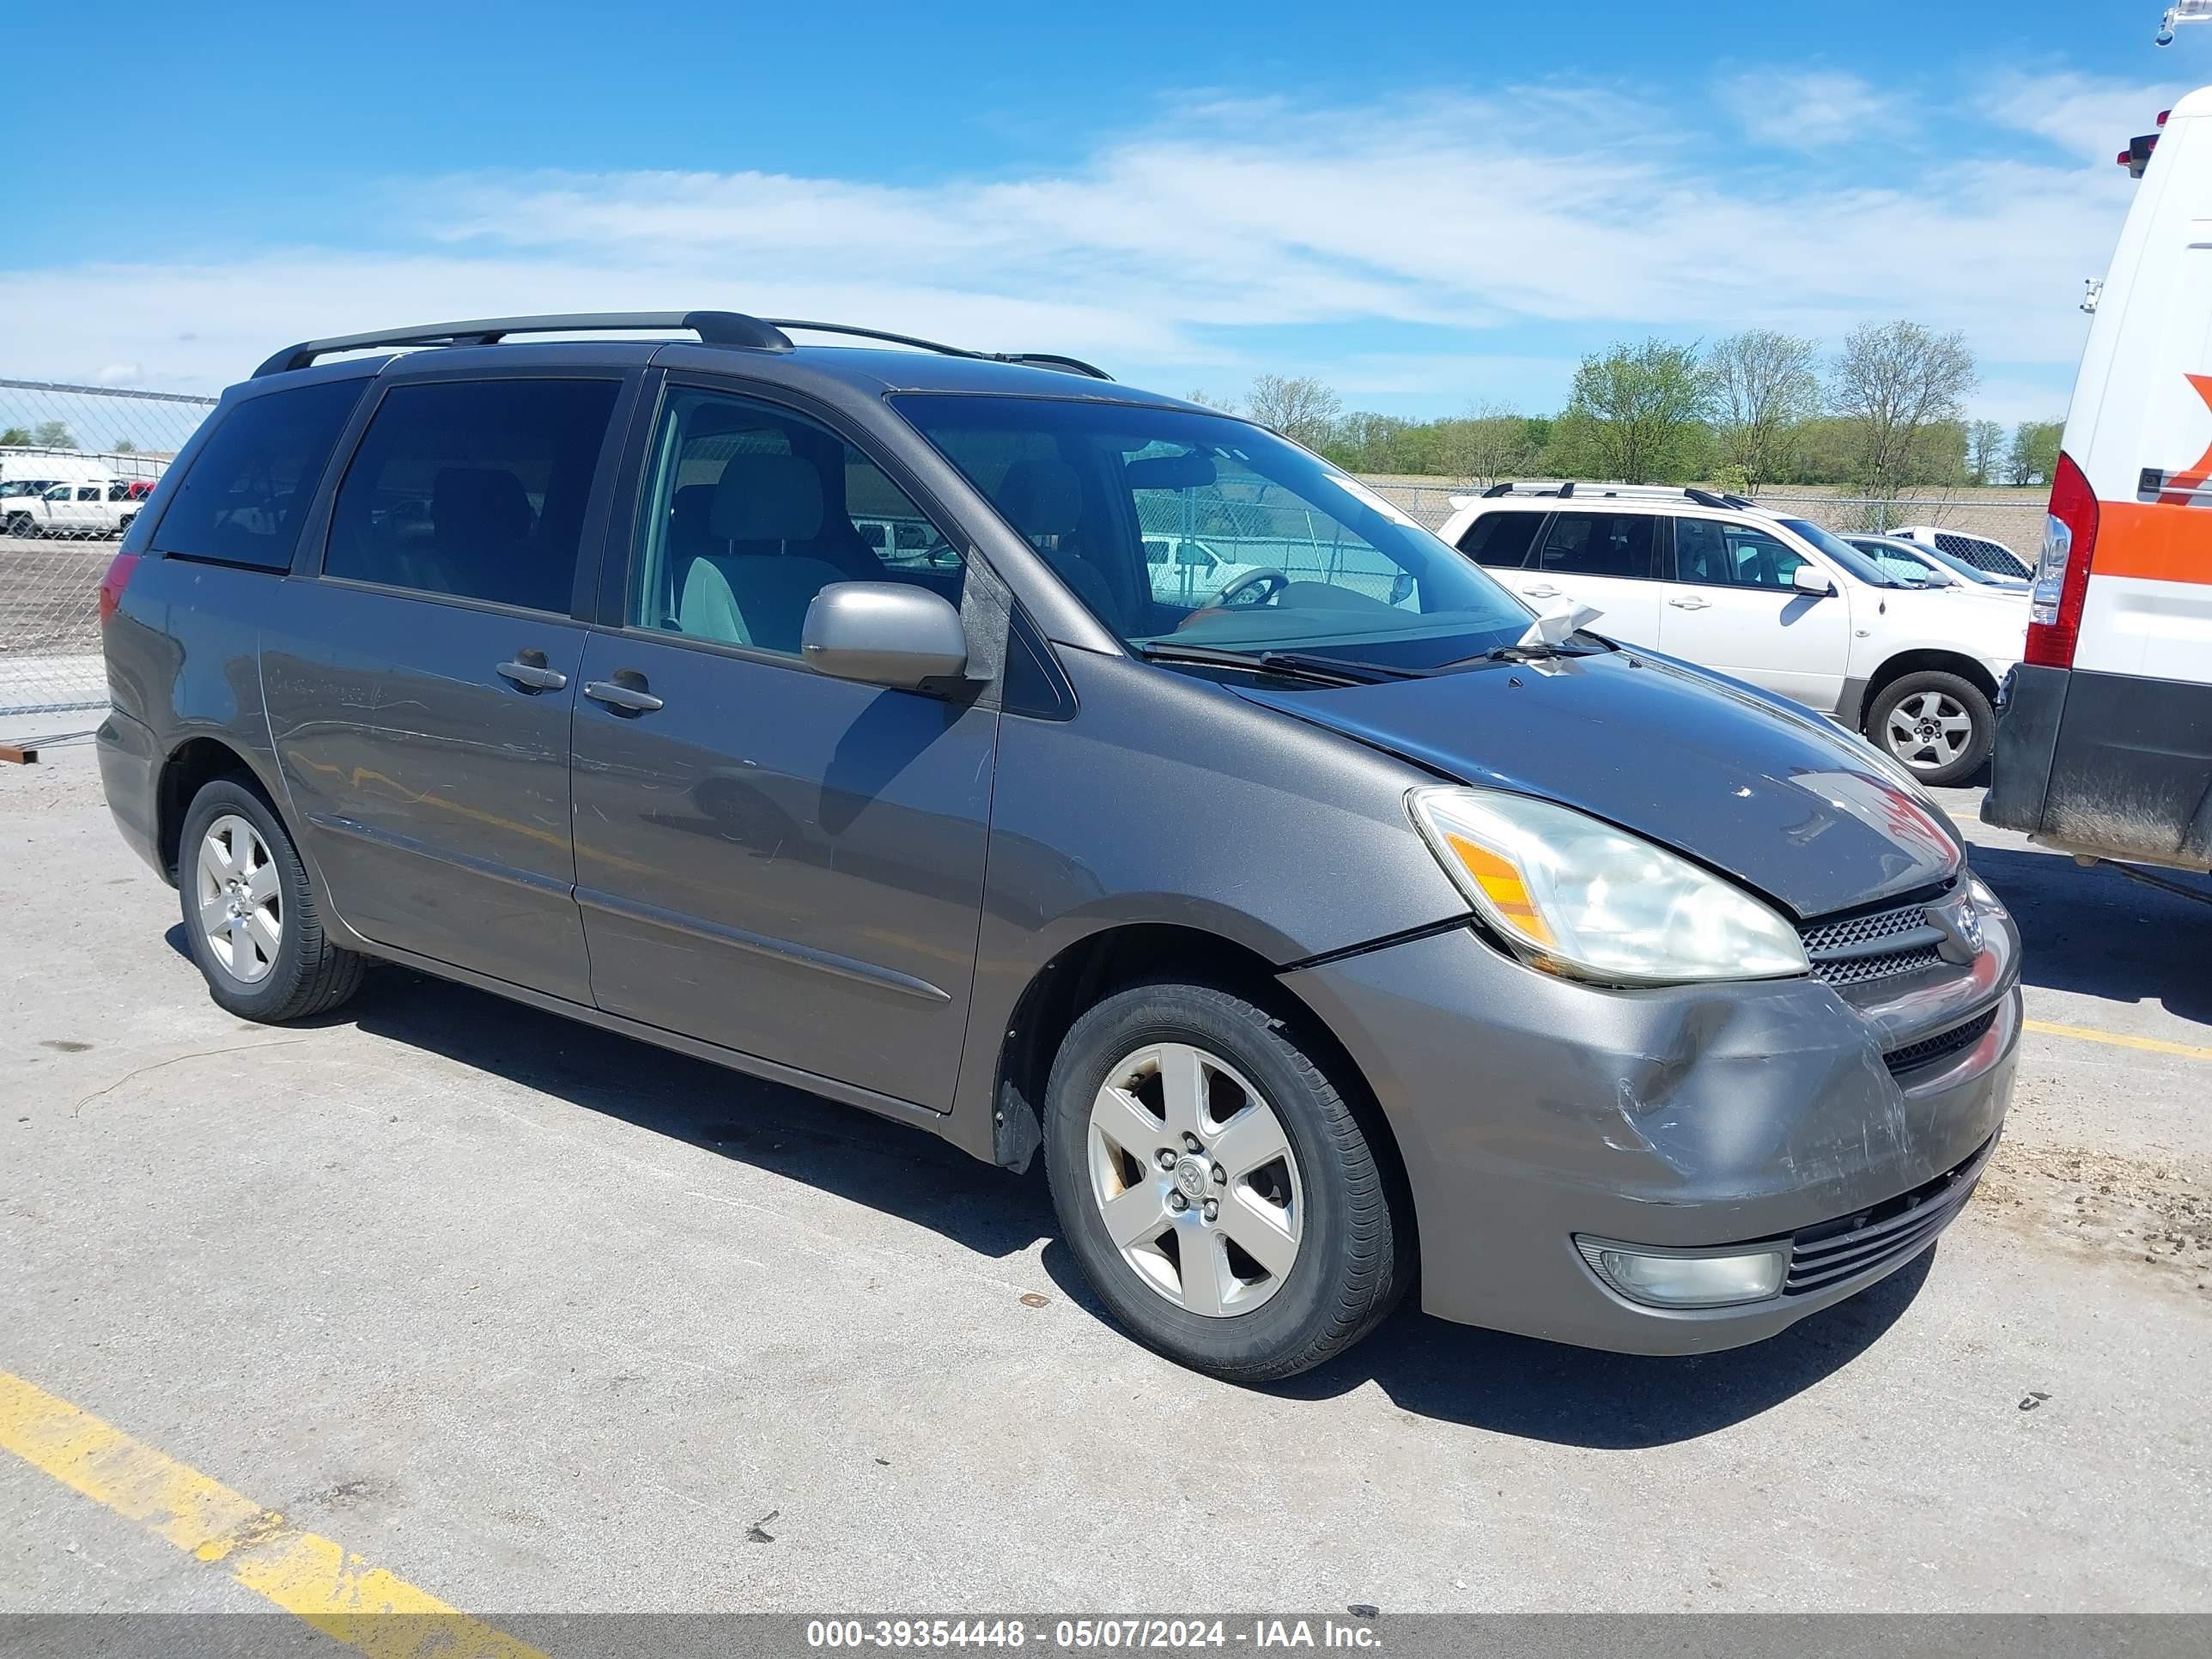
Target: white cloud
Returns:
[[1804, 109], [2088, 118], [1180, 255]]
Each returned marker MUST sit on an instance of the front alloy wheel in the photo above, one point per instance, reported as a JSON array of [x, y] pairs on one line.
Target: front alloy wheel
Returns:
[[1941, 725], [1217, 1184], [1194, 1179]]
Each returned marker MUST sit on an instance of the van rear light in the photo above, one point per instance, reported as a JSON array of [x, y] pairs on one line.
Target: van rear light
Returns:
[[113, 583], [2061, 573]]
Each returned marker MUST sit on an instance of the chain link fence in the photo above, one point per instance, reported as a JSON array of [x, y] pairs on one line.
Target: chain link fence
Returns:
[[76, 462], [2014, 517]]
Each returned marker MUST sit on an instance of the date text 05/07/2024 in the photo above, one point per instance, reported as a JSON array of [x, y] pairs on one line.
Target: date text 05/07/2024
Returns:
[[1092, 1635]]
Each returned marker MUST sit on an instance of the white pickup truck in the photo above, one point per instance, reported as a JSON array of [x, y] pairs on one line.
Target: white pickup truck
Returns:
[[78, 507]]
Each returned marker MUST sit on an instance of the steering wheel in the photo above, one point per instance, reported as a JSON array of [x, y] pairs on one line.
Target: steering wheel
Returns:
[[1261, 586]]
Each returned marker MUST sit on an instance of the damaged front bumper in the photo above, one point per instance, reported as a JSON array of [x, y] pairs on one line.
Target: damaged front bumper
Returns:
[[1537, 1117]]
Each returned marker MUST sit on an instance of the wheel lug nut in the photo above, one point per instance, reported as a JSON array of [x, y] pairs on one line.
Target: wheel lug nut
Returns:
[[1167, 1158], [1178, 1203], [1220, 1176], [1213, 1208], [1190, 1142]]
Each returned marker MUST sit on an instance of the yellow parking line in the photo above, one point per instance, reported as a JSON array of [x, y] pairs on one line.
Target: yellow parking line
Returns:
[[339, 1594], [2148, 1045]]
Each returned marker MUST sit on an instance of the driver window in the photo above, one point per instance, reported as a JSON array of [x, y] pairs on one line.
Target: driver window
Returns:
[[753, 509]]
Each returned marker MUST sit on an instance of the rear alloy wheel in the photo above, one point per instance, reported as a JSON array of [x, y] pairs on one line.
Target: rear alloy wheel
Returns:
[[1940, 726], [1216, 1186], [250, 914]]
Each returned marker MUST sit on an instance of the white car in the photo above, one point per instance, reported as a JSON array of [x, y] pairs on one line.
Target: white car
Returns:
[[1183, 570], [1982, 552], [1775, 600]]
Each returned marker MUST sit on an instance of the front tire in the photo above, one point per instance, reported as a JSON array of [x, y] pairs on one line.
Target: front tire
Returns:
[[249, 916], [1216, 1186], [1940, 726]]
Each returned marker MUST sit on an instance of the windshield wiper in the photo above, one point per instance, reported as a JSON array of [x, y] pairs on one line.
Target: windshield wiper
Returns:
[[1290, 665]]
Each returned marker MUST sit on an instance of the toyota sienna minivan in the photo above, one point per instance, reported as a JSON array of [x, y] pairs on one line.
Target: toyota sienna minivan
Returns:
[[1345, 929]]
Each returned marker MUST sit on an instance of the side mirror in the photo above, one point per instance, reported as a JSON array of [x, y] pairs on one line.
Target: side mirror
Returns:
[[883, 634], [1811, 578]]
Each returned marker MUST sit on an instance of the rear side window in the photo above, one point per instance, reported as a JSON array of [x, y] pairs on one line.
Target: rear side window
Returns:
[[473, 489], [1501, 538], [1600, 544], [248, 488]]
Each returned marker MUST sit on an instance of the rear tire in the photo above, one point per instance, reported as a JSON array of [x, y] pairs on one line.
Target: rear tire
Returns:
[[1265, 1152], [250, 914], [1940, 727]]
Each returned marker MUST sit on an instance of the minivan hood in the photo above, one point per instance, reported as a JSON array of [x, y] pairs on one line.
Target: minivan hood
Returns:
[[1774, 796]]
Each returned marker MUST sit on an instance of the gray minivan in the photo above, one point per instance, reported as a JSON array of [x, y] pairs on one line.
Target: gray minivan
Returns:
[[810, 709]]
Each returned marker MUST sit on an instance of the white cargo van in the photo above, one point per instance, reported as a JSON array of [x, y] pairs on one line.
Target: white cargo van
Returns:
[[2105, 731]]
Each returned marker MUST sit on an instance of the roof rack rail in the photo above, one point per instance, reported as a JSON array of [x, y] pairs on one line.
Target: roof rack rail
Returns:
[[1035, 359], [1584, 491], [727, 328], [722, 328]]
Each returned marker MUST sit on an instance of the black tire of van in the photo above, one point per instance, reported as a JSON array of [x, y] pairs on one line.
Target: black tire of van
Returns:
[[1981, 736], [1353, 1261], [23, 526], [310, 976]]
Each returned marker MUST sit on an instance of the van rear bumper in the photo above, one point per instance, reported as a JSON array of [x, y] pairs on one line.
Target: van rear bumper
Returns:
[[2105, 765], [128, 765]]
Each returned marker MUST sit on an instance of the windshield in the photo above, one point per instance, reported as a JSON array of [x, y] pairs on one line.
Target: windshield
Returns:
[[1904, 564], [25, 487], [1178, 528], [1960, 567], [1846, 555]]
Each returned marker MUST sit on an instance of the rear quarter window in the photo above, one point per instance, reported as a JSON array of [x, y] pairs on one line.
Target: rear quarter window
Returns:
[[249, 487], [1501, 538]]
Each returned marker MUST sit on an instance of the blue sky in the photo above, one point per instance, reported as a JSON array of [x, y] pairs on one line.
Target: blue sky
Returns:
[[1440, 211]]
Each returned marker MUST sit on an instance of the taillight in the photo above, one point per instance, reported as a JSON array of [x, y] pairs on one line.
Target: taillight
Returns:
[[2061, 573], [113, 583]]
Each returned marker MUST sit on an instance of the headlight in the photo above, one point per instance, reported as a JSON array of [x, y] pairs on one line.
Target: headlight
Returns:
[[1581, 897]]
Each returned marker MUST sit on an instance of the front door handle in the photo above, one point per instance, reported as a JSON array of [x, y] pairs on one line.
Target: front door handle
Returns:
[[1691, 602], [528, 670], [626, 699], [1545, 593]]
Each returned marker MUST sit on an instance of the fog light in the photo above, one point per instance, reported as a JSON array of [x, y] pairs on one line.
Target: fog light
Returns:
[[1675, 1281]]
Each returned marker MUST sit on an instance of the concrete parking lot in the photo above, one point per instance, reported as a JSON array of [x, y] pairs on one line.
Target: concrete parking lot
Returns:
[[540, 1319]]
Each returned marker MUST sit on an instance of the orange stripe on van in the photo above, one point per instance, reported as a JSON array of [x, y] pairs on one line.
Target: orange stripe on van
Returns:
[[2153, 541]]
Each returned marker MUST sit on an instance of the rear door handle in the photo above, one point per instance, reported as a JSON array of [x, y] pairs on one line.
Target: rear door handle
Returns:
[[532, 676], [1690, 603], [630, 699]]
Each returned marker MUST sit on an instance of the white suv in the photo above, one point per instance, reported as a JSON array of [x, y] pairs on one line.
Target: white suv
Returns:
[[1775, 600]]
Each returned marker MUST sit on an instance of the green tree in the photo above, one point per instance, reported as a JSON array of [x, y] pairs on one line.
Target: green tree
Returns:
[[52, 435], [1489, 442], [1760, 386], [1301, 408], [1892, 381], [123, 446], [15, 435], [1985, 451], [1635, 415], [2034, 454]]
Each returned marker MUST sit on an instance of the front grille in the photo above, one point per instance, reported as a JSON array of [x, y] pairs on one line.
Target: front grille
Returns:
[[1858, 970], [1941, 1046], [1853, 1245], [1855, 950]]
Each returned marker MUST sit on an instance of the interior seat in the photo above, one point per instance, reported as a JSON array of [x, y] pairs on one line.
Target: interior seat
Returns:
[[765, 521], [481, 519], [1043, 500]]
